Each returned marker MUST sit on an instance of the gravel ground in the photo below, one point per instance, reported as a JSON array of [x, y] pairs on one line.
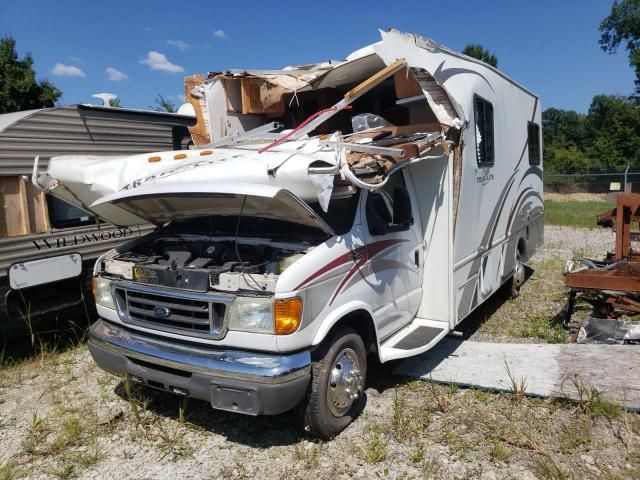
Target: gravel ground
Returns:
[[61, 417]]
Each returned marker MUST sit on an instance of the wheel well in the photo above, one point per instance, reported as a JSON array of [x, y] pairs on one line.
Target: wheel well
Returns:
[[361, 322], [522, 248]]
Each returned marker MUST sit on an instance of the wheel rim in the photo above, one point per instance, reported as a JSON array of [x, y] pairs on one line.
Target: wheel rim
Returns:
[[345, 382], [518, 272]]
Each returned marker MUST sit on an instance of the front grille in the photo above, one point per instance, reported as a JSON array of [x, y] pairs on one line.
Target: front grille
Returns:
[[171, 311]]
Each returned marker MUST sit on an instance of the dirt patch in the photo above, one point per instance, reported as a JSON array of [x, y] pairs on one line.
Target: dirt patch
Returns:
[[576, 197]]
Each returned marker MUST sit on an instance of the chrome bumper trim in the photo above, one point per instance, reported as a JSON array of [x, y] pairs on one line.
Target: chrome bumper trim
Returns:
[[234, 364]]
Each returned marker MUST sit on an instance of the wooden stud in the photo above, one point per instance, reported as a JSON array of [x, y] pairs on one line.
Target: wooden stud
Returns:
[[14, 220]]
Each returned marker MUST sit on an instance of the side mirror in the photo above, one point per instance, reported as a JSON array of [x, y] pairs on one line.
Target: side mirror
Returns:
[[401, 207]]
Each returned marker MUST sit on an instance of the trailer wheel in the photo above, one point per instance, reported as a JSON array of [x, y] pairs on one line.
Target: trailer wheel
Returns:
[[336, 393], [519, 274]]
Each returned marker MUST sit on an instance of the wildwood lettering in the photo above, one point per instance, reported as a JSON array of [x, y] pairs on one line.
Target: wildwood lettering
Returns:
[[59, 242]]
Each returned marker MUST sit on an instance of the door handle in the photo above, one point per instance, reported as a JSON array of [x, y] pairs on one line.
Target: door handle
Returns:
[[416, 258]]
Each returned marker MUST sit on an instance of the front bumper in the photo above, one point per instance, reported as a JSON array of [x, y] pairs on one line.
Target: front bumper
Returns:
[[239, 381]]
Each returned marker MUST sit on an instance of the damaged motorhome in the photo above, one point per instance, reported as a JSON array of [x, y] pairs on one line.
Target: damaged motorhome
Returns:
[[326, 212]]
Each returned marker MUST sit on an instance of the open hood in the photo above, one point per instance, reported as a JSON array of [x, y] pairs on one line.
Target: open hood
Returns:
[[165, 202]]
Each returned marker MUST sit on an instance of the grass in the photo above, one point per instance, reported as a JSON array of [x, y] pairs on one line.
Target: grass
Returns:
[[574, 214], [375, 450]]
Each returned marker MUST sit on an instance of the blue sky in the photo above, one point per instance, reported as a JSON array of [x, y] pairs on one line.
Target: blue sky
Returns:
[[549, 46]]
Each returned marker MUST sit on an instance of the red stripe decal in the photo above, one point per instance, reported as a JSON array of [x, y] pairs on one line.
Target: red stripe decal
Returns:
[[368, 251]]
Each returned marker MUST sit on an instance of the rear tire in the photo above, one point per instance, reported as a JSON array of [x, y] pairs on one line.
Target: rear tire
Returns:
[[519, 275], [336, 393]]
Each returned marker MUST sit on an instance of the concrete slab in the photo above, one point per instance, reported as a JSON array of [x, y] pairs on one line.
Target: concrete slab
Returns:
[[547, 370]]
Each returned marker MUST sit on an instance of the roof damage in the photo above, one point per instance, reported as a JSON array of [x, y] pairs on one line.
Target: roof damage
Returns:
[[316, 130]]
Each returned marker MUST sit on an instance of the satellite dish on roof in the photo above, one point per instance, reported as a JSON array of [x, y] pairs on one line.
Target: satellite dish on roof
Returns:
[[106, 98]]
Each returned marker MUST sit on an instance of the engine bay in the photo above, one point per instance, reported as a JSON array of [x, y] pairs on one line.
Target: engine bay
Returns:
[[204, 263]]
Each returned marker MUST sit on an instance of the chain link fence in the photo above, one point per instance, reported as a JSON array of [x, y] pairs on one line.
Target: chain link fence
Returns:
[[592, 182]]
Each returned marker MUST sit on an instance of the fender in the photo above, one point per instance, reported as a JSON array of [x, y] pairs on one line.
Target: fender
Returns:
[[338, 314]]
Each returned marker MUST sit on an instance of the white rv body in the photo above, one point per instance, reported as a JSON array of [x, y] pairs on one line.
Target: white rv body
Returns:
[[475, 214]]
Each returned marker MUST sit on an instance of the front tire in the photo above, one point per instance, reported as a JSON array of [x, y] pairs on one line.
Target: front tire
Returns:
[[336, 393]]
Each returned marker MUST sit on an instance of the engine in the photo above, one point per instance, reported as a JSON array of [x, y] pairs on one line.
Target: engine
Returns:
[[201, 265]]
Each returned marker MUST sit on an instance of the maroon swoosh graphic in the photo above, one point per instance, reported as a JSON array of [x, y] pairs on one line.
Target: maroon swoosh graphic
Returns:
[[371, 251], [368, 251], [513, 209]]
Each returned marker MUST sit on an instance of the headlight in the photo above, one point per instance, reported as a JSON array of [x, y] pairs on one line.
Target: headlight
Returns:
[[252, 315], [262, 315], [102, 292]]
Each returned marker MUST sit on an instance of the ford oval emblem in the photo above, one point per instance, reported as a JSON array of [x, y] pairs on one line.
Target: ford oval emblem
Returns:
[[160, 311]]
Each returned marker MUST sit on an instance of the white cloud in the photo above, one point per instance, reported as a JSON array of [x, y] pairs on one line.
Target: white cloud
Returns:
[[179, 44], [220, 34], [158, 61], [115, 75], [62, 70], [182, 97], [75, 59]]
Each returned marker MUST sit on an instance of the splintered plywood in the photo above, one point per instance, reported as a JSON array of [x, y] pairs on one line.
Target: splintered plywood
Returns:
[[14, 218], [546, 370], [406, 84], [199, 131], [37, 209], [261, 97]]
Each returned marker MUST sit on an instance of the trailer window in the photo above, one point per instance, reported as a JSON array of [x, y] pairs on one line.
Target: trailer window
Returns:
[[483, 115], [533, 140], [389, 208], [65, 215]]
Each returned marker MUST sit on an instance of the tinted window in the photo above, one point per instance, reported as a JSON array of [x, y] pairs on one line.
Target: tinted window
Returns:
[[533, 140], [389, 208], [65, 215], [483, 115]]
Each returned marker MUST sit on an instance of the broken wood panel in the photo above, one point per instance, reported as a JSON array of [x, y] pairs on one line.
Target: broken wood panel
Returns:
[[261, 97], [15, 219], [198, 131], [547, 370], [602, 280], [233, 94], [37, 209], [406, 84]]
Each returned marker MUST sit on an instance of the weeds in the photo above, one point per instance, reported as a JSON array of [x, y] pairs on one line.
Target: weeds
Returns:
[[499, 452], [401, 422], [590, 399], [549, 470], [310, 457], [9, 471], [518, 385], [375, 449]]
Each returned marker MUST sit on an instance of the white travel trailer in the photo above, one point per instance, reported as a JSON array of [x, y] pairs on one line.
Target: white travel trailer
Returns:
[[405, 189]]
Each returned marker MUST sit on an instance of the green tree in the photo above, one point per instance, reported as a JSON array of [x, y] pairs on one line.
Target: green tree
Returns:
[[19, 88], [623, 26], [606, 138], [478, 51], [115, 103], [162, 104]]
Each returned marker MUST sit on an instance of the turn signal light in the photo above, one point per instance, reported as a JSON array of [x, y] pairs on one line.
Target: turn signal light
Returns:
[[287, 315], [154, 159]]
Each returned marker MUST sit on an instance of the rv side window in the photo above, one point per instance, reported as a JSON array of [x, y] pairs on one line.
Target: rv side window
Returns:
[[65, 215], [533, 140], [483, 115], [389, 208]]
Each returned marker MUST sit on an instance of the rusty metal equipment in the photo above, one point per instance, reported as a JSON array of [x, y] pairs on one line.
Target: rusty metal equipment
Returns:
[[613, 283]]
